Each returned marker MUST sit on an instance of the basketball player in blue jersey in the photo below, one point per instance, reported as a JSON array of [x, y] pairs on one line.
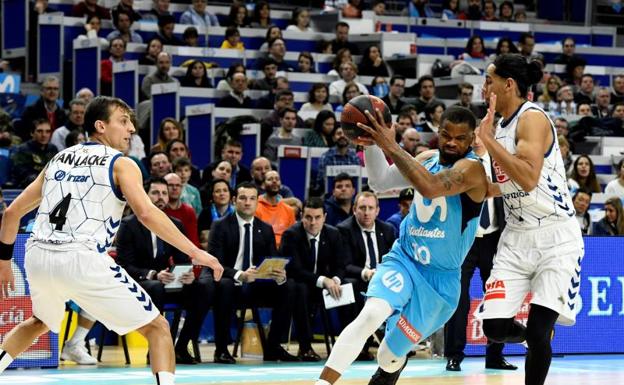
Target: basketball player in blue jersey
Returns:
[[81, 195], [417, 285], [541, 248]]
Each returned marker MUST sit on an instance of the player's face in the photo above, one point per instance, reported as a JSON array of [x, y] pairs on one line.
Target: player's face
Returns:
[[159, 195], [454, 141], [494, 83], [119, 129], [246, 202], [313, 220], [581, 202], [366, 211]]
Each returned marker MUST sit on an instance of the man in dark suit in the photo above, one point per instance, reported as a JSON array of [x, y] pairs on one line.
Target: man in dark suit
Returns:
[[317, 262], [147, 259], [367, 239], [240, 241], [481, 255]]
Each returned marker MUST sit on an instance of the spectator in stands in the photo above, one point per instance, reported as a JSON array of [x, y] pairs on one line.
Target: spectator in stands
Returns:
[[223, 170], [169, 129], [410, 141], [372, 63], [520, 16], [379, 7], [574, 71], [549, 93], [259, 167], [406, 196], [504, 45], [160, 76], [75, 137], [126, 5], [583, 175], [526, 46], [272, 33], [198, 15], [339, 155], [271, 207], [368, 239], [474, 10], [616, 186], [350, 91], [122, 20], [85, 94], [403, 122], [602, 108], [196, 76], [379, 87], [567, 55], [117, 52], [181, 211], [565, 102], [339, 205], [353, 9], [146, 258], [232, 39], [219, 205], [159, 8], [450, 10], [159, 164], [266, 102], [506, 11], [317, 262], [261, 17], [613, 221], [305, 63], [489, 11], [31, 157], [240, 241], [190, 194], [320, 136], [348, 73], [154, 47], [93, 26], [475, 48], [618, 89], [584, 109], [395, 95], [77, 109], [433, 113], [425, 90], [300, 21], [342, 56], [237, 97], [342, 39], [226, 84], [283, 135], [566, 154], [561, 125], [283, 99], [581, 200], [90, 8], [318, 99], [190, 37], [269, 70], [618, 111], [238, 15], [176, 149], [231, 152], [166, 24], [418, 8], [585, 93], [277, 51], [465, 93], [46, 107]]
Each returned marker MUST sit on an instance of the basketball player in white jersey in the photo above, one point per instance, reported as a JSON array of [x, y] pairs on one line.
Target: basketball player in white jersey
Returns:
[[81, 195], [541, 248]]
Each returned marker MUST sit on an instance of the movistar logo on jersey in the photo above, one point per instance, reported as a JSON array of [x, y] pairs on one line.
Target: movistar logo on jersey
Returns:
[[423, 232], [84, 160]]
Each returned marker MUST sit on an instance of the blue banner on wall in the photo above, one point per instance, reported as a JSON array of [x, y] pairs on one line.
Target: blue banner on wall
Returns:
[[9, 83]]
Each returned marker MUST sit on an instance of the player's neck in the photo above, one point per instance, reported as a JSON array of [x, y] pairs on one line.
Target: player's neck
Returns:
[[508, 108]]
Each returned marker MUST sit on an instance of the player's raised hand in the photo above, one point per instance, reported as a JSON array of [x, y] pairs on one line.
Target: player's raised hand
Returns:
[[486, 129], [200, 257], [7, 280], [381, 133]]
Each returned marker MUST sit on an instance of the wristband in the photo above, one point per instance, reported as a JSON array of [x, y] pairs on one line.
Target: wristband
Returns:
[[6, 251]]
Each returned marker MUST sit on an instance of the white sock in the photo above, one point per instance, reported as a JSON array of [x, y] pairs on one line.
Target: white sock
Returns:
[[165, 378], [322, 382], [5, 360], [79, 336]]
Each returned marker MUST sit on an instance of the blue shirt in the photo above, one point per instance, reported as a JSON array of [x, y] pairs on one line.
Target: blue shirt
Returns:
[[332, 158]]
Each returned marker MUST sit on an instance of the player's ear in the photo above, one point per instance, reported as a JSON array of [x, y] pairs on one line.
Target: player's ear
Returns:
[[99, 126]]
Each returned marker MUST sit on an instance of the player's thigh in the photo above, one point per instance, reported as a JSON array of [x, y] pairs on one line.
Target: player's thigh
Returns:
[[392, 283]]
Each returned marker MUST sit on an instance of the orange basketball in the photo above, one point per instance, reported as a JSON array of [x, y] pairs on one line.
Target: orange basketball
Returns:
[[353, 114]]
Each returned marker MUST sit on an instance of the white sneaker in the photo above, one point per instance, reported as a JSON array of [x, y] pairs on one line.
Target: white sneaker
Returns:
[[78, 354]]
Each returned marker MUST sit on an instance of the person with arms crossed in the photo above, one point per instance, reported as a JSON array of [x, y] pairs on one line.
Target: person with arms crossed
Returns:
[[81, 195], [539, 214], [420, 275]]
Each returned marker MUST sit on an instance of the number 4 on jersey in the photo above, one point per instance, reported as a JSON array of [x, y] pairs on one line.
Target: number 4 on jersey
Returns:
[[59, 212]]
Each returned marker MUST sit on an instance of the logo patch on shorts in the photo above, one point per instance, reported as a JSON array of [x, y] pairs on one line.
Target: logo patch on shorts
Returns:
[[393, 280], [407, 329], [494, 290]]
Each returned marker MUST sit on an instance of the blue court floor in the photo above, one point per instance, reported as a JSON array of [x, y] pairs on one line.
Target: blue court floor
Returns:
[[586, 370]]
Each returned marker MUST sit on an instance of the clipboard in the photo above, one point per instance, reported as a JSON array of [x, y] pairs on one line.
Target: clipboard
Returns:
[[346, 297], [268, 265], [178, 270]]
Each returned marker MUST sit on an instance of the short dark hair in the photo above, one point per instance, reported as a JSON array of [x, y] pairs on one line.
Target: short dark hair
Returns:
[[458, 115], [318, 86], [461, 87], [281, 93], [584, 191], [342, 24], [153, 180], [524, 36], [314, 203], [424, 78], [190, 32], [101, 108], [121, 11], [38, 122], [181, 162], [72, 138], [395, 78], [233, 143], [586, 75], [515, 66], [171, 143], [343, 176], [244, 185], [285, 110], [165, 19], [232, 30], [153, 154]]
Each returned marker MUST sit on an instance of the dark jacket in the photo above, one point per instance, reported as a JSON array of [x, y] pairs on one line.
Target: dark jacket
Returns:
[[230, 101], [38, 111], [28, 159], [224, 242], [135, 252], [604, 228], [393, 110], [335, 214], [329, 259]]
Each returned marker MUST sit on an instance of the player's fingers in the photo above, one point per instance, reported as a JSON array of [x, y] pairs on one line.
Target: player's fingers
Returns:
[[366, 128], [372, 119]]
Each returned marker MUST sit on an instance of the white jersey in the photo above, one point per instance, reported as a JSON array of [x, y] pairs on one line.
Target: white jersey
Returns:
[[550, 201], [80, 202]]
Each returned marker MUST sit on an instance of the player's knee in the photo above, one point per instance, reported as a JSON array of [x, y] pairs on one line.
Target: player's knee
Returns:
[[496, 329], [538, 337], [387, 360], [38, 325], [158, 327]]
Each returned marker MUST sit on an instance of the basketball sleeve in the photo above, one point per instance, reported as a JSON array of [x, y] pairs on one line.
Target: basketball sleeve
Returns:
[[382, 176]]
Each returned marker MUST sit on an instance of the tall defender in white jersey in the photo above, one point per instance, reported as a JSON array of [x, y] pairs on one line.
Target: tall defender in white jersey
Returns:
[[81, 196], [541, 248]]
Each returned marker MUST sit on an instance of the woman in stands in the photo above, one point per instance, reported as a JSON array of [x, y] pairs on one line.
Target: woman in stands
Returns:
[[372, 63], [549, 94], [176, 149], [566, 154], [300, 21], [450, 10], [583, 175], [305, 63], [232, 39], [506, 11], [613, 221], [196, 76], [154, 47], [225, 84], [170, 129], [321, 135], [475, 49], [342, 56], [92, 28], [222, 171], [616, 186], [433, 113], [350, 91], [318, 98], [238, 16], [272, 33], [261, 15], [489, 11], [218, 195], [379, 87]]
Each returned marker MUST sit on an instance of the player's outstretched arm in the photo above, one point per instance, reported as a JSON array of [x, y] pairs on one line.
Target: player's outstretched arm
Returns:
[[128, 178]]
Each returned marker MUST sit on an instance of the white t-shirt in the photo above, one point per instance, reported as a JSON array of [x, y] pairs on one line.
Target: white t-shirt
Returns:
[[615, 188]]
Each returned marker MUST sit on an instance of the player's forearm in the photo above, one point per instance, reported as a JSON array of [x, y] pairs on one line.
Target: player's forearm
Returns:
[[159, 223], [9, 226], [517, 169], [382, 176]]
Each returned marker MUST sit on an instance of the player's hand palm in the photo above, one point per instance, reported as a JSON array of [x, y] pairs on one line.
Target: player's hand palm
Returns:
[[205, 259], [380, 133], [7, 280], [486, 129]]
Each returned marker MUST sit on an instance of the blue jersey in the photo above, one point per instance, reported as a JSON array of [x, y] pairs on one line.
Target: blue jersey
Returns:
[[439, 232]]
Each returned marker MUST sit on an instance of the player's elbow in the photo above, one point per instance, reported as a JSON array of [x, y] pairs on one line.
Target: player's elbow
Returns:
[[529, 183]]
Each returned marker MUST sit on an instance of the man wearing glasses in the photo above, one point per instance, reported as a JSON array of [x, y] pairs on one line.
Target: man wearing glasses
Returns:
[[46, 108], [568, 48], [464, 93]]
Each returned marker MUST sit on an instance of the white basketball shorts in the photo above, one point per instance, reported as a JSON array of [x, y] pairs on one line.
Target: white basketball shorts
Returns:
[[545, 262], [57, 273]]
